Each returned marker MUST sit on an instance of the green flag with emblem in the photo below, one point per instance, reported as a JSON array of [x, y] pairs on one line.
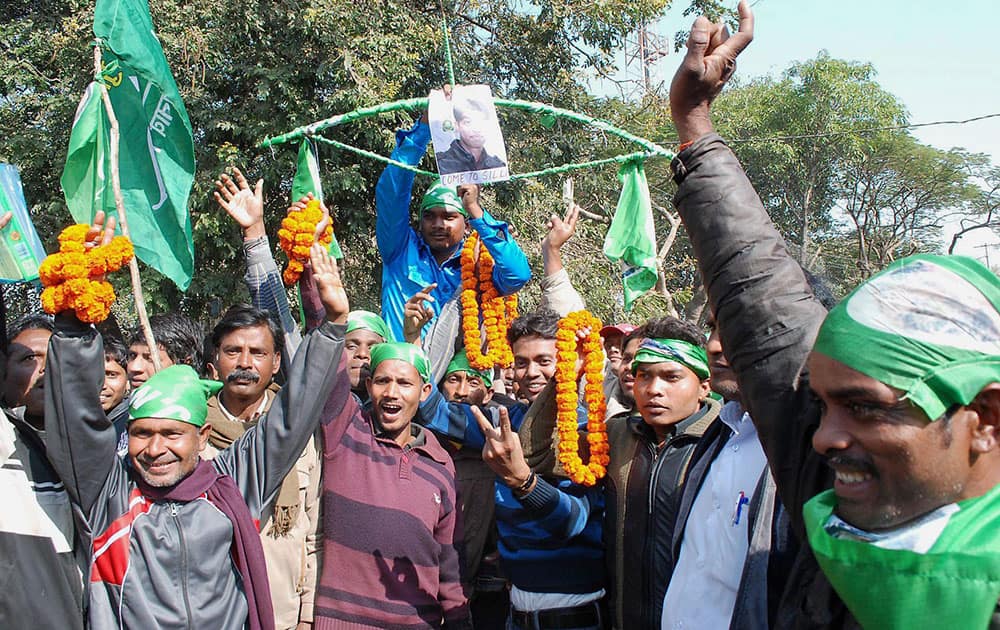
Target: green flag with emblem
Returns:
[[307, 181], [156, 149]]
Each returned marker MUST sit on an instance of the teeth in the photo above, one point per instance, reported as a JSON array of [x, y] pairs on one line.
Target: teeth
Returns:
[[851, 477]]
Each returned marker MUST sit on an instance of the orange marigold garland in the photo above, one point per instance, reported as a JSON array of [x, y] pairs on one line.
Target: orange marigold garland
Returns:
[[479, 294], [73, 277], [568, 448], [296, 237]]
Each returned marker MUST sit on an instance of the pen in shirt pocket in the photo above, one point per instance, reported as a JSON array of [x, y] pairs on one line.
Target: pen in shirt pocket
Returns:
[[741, 500]]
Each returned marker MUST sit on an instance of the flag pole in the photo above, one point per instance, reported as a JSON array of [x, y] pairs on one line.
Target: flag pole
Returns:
[[116, 184]]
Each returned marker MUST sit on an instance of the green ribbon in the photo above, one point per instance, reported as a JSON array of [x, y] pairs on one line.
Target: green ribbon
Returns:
[[174, 393], [687, 354], [631, 239], [460, 363], [440, 195], [954, 585], [927, 325], [402, 352], [366, 320]]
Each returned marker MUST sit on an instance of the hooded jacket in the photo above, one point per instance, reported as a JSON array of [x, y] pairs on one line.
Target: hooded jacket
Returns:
[[642, 495], [165, 564]]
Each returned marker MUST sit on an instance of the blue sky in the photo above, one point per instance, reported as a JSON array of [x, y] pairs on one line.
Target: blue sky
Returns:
[[939, 59]]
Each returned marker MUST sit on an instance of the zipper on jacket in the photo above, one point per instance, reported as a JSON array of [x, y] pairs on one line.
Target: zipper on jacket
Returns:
[[647, 545], [184, 569]]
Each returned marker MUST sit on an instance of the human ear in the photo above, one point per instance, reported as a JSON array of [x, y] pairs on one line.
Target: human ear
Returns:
[[425, 391], [986, 432], [203, 432]]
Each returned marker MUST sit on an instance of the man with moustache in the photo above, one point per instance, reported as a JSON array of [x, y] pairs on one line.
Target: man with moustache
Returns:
[[175, 538], [248, 346]]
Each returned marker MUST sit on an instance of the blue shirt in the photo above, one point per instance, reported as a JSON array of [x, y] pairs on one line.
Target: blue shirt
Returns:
[[408, 265]]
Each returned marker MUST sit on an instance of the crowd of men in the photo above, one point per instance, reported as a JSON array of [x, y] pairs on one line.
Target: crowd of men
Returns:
[[800, 463]]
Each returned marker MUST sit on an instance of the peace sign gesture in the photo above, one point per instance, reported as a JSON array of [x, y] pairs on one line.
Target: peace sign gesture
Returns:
[[502, 451]]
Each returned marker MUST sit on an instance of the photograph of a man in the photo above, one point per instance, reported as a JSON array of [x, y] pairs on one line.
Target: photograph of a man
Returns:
[[467, 140]]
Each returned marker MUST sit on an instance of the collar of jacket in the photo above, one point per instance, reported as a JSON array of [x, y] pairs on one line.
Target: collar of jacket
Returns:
[[422, 442], [694, 425]]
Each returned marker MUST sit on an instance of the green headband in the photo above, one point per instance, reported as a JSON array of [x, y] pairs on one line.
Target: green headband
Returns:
[[927, 325], [461, 364], [366, 320], [403, 352], [687, 354], [440, 195], [175, 393]]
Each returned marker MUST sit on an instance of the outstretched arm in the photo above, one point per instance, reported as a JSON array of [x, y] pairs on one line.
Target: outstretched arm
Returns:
[[558, 292], [392, 193], [510, 266]]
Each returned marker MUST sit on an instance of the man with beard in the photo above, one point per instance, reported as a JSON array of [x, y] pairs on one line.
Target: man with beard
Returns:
[[247, 355], [880, 420], [175, 539], [42, 555], [413, 259], [468, 151]]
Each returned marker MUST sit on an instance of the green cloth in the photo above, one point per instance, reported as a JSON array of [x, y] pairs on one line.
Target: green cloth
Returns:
[[954, 585], [175, 393], [460, 363], [631, 238], [927, 325], [366, 320], [689, 355], [440, 195], [404, 352], [156, 151], [307, 181]]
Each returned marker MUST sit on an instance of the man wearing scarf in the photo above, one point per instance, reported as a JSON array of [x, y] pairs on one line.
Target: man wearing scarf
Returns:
[[247, 345], [390, 515], [175, 537], [880, 421], [650, 451], [413, 259]]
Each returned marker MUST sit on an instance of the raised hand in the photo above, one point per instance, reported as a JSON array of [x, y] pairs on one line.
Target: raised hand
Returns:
[[502, 451], [101, 231], [416, 314], [329, 283], [469, 194], [561, 230], [325, 221], [709, 63], [243, 204]]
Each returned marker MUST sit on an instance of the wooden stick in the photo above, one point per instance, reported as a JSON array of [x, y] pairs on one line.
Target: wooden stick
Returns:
[[116, 184]]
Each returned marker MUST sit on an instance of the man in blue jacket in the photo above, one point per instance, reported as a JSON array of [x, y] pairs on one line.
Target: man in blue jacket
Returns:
[[413, 259]]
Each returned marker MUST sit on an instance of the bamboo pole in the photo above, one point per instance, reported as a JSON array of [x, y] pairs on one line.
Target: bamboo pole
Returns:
[[116, 184]]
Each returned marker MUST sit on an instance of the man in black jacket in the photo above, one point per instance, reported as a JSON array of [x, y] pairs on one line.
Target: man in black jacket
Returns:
[[893, 400]]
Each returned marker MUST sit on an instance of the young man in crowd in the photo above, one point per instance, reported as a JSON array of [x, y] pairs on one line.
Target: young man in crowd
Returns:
[[549, 528], [650, 451], [190, 549], [247, 346], [413, 259], [41, 542], [180, 342], [114, 394], [880, 420], [390, 515]]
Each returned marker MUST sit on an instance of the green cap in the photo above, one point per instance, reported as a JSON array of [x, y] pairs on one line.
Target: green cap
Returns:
[[927, 325], [659, 350], [403, 352], [441, 195], [174, 393], [366, 320], [460, 363]]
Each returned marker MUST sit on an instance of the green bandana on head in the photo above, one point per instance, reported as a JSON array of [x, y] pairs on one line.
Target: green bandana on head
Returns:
[[440, 195], [461, 364], [926, 325], [403, 352], [689, 355], [174, 393], [366, 320]]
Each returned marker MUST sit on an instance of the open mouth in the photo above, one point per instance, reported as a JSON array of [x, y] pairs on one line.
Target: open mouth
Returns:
[[390, 410]]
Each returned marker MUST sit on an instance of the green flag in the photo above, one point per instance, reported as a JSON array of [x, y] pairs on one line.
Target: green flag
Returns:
[[156, 151], [307, 181], [631, 238]]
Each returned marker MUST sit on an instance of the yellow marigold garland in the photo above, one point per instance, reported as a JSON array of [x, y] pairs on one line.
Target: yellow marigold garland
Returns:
[[73, 277], [479, 294], [567, 449], [296, 237]]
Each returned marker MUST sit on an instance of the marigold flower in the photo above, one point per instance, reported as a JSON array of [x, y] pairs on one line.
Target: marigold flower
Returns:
[[296, 237]]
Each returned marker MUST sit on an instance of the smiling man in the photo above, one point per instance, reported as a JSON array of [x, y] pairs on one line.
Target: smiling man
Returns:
[[880, 421], [390, 512], [416, 258], [175, 539]]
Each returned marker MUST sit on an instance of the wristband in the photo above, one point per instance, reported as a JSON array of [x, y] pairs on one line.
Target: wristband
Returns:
[[523, 489]]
